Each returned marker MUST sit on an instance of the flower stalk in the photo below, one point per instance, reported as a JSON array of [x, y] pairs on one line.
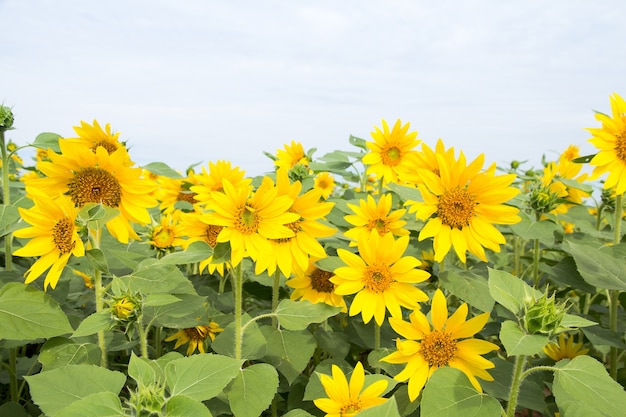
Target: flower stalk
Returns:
[[516, 383], [238, 294], [614, 294]]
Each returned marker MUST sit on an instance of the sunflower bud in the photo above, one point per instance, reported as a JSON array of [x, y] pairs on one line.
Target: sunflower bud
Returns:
[[542, 200], [299, 172], [543, 315], [125, 307], [147, 400], [6, 118]]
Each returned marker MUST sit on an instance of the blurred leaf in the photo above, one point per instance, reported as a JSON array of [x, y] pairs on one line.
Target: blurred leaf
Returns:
[[101, 404], [572, 321], [156, 300], [336, 344], [297, 315], [358, 142], [195, 252], [566, 274], [97, 260], [601, 336], [406, 193], [597, 267], [182, 406], [582, 388], [9, 216], [253, 345], [330, 263], [55, 390], [162, 169], [298, 413], [469, 287], [189, 311], [12, 409], [93, 323], [510, 291], [201, 377], [252, 390], [142, 371], [290, 352], [387, 409], [27, 314], [517, 342], [59, 352], [448, 392], [529, 229], [152, 278], [47, 140]]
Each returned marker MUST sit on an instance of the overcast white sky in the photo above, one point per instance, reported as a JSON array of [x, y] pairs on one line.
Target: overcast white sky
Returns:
[[197, 81]]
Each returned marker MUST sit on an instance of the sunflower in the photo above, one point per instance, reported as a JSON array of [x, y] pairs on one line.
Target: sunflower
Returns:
[[610, 139], [98, 177], [250, 219], [53, 237], [291, 155], [212, 181], [167, 234], [93, 136], [381, 277], [568, 170], [461, 206], [427, 159], [391, 152], [370, 215], [427, 349], [195, 336], [174, 190], [347, 399], [293, 253], [565, 348], [325, 182], [195, 229], [314, 285]]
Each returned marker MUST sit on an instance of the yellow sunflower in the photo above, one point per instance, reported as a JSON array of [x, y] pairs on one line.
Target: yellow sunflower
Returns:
[[53, 237], [427, 159], [381, 277], [391, 152], [291, 155], [461, 206], [564, 168], [195, 229], [427, 348], [610, 139], [167, 235], [325, 182], [370, 215], [250, 219], [173, 190], [212, 181], [314, 285], [565, 348], [293, 253], [93, 136], [98, 177], [347, 399], [195, 336]]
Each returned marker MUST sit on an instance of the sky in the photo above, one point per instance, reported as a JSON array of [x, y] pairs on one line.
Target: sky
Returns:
[[188, 82]]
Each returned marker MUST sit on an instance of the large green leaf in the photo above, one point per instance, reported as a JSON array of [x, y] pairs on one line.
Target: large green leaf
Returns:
[[387, 409], [517, 342], [182, 406], [201, 377], [55, 390], [290, 351], [469, 287], [59, 352], [8, 217], [101, 404], [253, 390], [162, 169], [298, 413], [196, 252], [152, 278], [143, 371], [599, 267], [297, 315], [253, 344], [582, 388], [529, 229], [47, 140], [510, 291], [93, 323], [27, 314], [185, 312], [449, 393]]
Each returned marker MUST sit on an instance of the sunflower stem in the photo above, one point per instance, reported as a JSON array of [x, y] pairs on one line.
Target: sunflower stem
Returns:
[[99, 295], [377, 341], [143, 337], [157, 342], [238, 294], [516, 383], [614, 294], [275, 296]]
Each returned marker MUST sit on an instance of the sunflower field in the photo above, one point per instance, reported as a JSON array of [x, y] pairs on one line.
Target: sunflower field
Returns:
[[396, 278]]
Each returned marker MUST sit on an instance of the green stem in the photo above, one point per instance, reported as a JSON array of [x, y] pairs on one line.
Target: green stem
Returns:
[[516, 383], [238, 293], [275, 296], [614, 294], [99, 295], [536, 262], [377, 340], [143, 337], [157, 342], [13, 374]]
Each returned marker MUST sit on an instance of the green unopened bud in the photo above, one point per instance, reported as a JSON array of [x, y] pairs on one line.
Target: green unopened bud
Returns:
[[147, 400], [543, 315], [6, 118], [298, 173], [125, 307], [515, 164], [542, 200]]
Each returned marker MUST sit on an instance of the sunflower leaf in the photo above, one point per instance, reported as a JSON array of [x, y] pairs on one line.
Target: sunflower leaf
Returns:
[[162, 169], [290, 351], [101, 404], [195, 252], [253, 389], [517, 342], [510, 291], [47, 140], [297, 315], [598, 267], [387, 409], [181, 406]]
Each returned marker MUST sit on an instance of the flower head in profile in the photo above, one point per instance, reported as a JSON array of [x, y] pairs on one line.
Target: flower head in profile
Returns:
[[195, 336], [196, 229], [250, 219], [610, 139], [212, 181], [98, 177], [381, 277], [291, 155], [172, 192], [314, 285], [346, 399], [565, 169], [447, 342], [461, 206], [94, 136], [391, 152], [53, 235], [371, 215], [427, 159], [325, 182], [565, 348]]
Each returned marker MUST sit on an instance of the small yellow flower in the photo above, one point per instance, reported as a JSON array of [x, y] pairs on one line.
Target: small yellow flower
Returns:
[[565, 348], [325, 182], [371, 215], [195, 336], [291, 156], [347, 399], [314, 285]]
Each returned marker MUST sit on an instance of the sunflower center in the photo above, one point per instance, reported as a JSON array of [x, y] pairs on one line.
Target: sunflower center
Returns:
[[380, 225], [62, 233], [391, 156], [456, 207], [198, 333], [109, 146], [163, 237], [620, 146], [320, 281], [95, 185], [351, 408], [211, 233], [186, 196], [323, 184], [378, 277], [248, 220], [438, 348]]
